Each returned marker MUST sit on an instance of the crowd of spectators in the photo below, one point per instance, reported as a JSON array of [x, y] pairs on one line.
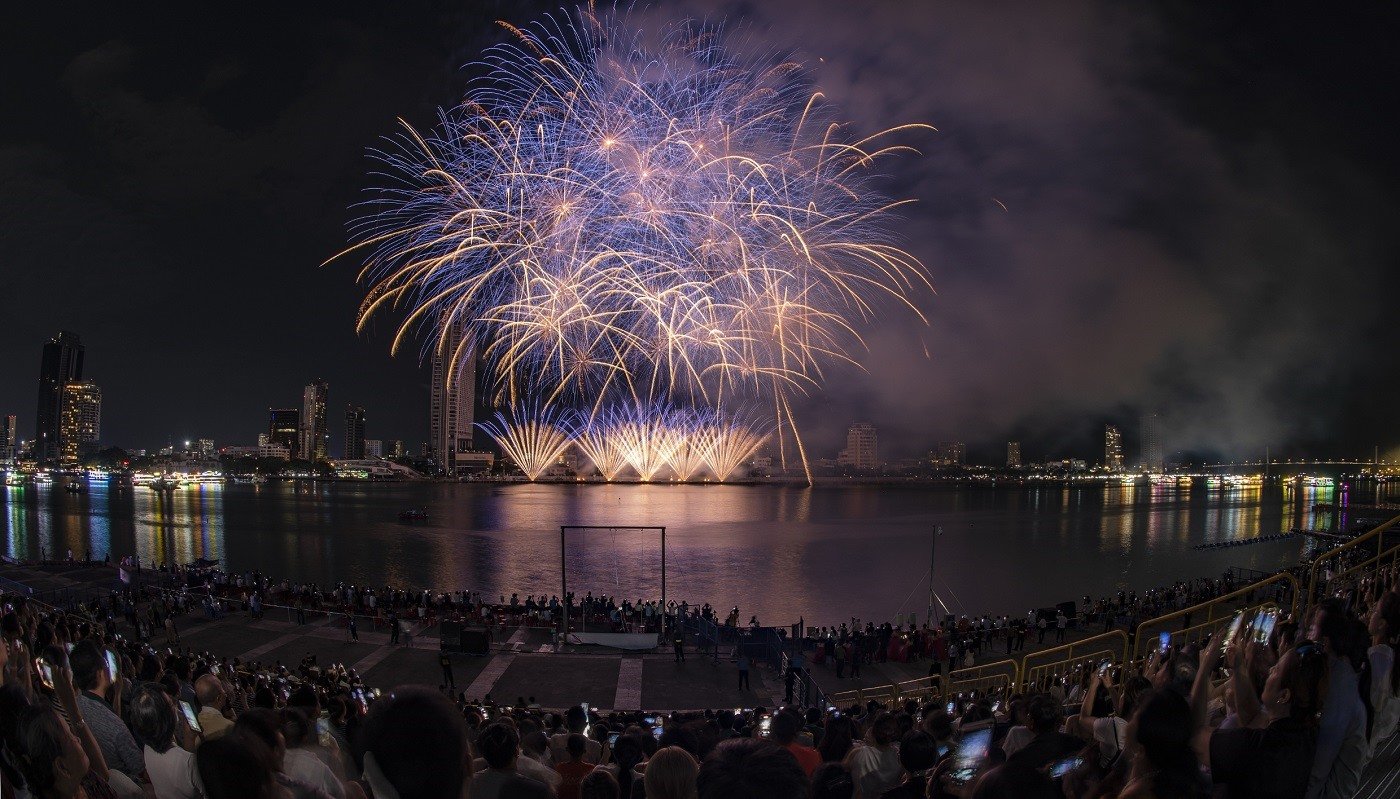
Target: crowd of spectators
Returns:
[[89, 709]]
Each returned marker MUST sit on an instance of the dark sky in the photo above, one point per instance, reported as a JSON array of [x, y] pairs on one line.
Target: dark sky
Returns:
[[1200, 211]]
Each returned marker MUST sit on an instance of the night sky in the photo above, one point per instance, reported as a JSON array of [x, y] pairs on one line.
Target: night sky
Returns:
[[1191, 207]]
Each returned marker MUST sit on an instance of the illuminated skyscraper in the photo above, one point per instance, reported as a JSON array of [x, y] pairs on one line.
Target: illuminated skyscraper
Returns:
[[374, 448], [62, 364], [452, 404], [354, 433], [862, 447], [9, 439], [284, 428], [1013, 454], [950, 453], [315, 436], [79, 421], [1152, 460], [1112, 449]]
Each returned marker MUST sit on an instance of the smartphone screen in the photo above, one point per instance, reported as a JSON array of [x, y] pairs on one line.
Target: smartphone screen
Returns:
[[972, 752], [45, 672], [190, 717], [612, 738], [1164, 642], [1234, 630], [1063, 767], [1264, 627], [112, 669], [950, 708], [658, 731]]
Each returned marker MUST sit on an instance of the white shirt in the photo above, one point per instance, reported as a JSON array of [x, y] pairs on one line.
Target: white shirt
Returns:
[[172, 773], [303, 765], [1110, 732]]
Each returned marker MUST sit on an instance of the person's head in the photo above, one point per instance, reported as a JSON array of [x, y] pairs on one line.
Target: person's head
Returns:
[[838, 736], [53, 761], [783, 727], [1043, 714], [576, 745], [304, 698], [671, 774], [534, 743], [832, 781], [575, 719], [236, 766], [266, 726], [1336, 630], [1133, 690], [499, 745], [884, 730], [917, 752], [1160, 731], [89, 665], [1384, 622], [1296, 684], [151, 714], [598, 784], [1013, 781], [210, 692], [627, 751], [297, 729], [415, 740], [938, 724], [752, 768]]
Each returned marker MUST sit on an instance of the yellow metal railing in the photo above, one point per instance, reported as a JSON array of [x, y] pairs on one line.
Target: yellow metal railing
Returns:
[[1375, 562], [1217, 611], [1061, 660], [1000, 675]]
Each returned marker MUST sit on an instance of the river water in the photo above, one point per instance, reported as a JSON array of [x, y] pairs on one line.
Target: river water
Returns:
[[826, 553]]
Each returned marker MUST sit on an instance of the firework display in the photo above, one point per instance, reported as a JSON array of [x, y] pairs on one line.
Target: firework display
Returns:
[[636, 220]]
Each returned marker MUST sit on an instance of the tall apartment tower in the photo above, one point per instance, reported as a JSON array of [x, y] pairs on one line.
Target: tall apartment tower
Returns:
[[1152, 459], [354, 433], [62, 364], [1112, 449], [79, 421], [9, 439], [315, 436], [451, 410], [284, 428], [862, 447], [1013, 454]]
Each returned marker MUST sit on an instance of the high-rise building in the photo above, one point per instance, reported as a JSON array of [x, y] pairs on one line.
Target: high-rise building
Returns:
[[315, 435], [62, 364], [862, 447], [398, 448], [79, 421], [283, 428], [1013, 454], [9, 439], [354, 433], [950, 453], [374, 448], [1112, 449], [1152, 459], [452, 403], [264, 439]]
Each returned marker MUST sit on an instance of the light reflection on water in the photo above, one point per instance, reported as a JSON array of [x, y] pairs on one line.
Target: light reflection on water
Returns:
[[826, 554]]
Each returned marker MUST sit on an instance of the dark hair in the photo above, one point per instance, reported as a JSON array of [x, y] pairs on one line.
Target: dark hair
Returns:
[[784, 726], [13, 701], [1014, 781], [884, 729], [296, 727], [87, 663], [917, 751], [683, 736], [235, 766], [599, 784], [1043, 713], [1134, 689], [938, 724], [499, 744], [576, 745], [39, 733], [151, 717], [832, 781], [1307, 684], [575, 719], [1164, 727], [419, 742], [628, 751], [752, 768], [262, 724], [838, 736]]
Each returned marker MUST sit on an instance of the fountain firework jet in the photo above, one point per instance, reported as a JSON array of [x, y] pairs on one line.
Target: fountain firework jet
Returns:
[[625, 217], [534, 439]]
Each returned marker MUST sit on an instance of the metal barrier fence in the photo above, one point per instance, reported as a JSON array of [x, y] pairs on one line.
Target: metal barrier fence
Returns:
[[1036, 667], [984, 678], [1286, 592], [1383, 561]]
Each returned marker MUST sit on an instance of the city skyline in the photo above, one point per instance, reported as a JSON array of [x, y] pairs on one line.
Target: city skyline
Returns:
[[1073, 278]]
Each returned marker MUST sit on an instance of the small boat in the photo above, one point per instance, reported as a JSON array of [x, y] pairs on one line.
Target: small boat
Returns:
[[413, 515], [75, 488]]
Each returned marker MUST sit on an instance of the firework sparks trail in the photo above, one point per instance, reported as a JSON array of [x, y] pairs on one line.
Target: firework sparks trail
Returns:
[[616, 217]]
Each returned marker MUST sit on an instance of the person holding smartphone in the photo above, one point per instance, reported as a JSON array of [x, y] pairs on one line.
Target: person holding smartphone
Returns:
[[100, 699], [156, 721]]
